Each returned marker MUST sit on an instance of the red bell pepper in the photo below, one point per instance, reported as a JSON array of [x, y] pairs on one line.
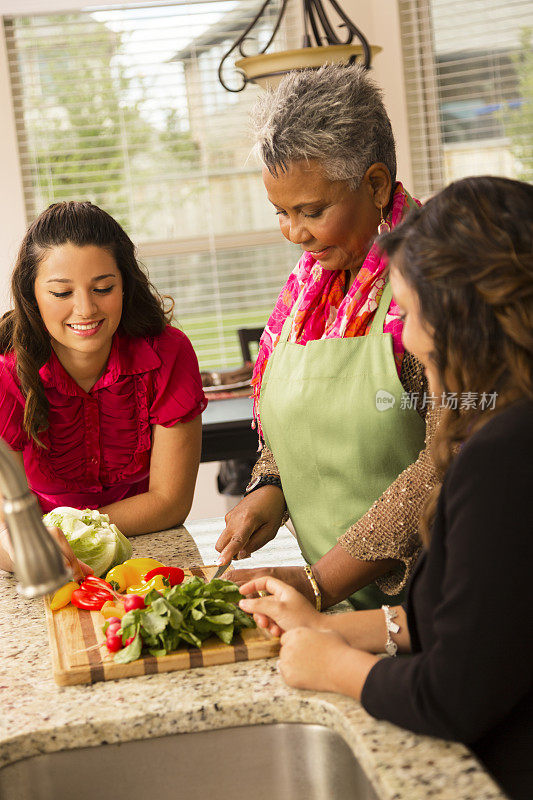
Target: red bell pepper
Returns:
[[97, 583], [87, 600], [92, 594], [174, 575]]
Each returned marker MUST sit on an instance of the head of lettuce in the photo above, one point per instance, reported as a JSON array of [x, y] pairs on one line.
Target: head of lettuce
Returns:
[[91, 536]]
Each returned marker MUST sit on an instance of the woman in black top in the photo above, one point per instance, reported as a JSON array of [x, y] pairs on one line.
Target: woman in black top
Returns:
[[462, 272]]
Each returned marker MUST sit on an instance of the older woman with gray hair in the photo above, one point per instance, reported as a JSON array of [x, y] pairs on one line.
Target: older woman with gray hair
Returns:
[[334, 391]]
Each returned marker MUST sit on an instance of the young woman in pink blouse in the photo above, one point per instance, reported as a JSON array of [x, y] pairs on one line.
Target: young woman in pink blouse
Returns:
[[100, 398]]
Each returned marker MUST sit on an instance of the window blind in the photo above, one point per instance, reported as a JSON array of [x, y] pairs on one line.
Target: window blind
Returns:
[[469, 78], [122, 106]]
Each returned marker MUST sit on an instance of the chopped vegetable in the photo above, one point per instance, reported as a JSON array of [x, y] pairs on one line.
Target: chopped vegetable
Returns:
[[97, 583], [62, 597], [189, 612], [157, 582], [91, 595], [92, 537], [131, 572], [113, 609], [117, 578], [174, 575], [86, 601]]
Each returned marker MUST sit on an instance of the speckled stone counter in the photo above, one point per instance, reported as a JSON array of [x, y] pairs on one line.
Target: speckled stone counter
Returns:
[[36, 716]]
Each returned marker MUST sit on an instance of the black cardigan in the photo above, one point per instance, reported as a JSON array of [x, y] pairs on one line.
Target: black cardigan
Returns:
[[470, 610]]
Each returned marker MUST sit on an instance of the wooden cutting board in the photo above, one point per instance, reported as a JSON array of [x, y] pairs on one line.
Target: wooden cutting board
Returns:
[[72, 634]]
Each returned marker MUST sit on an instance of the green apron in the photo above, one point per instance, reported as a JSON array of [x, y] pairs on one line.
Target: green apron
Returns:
[[331, 414]]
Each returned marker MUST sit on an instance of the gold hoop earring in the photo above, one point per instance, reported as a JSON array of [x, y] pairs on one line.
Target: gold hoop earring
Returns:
[[383, 226]]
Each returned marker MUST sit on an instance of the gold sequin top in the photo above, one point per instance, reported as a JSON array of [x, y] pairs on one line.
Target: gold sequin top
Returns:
[[389, 529]]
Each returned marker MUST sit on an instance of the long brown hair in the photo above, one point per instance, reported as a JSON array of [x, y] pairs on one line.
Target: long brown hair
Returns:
[[22, 330], [468, 255]]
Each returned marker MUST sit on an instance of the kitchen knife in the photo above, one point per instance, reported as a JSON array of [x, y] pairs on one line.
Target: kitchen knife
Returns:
[[220, 571]]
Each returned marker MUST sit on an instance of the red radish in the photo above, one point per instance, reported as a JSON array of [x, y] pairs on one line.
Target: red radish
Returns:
[[129, 641], [113, 621], [113, 628], [133, 601], [114, 643]]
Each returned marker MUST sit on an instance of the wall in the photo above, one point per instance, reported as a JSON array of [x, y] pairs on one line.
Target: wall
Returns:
[[380, 23], [207, 501]]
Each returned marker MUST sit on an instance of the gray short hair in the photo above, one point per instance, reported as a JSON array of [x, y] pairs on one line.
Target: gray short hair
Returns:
[[334, 115]]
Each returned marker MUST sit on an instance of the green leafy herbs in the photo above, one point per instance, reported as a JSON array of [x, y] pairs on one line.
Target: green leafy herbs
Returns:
[[188, 613]]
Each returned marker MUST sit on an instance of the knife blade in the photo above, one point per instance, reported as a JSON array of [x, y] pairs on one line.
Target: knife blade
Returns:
[[220, 571]]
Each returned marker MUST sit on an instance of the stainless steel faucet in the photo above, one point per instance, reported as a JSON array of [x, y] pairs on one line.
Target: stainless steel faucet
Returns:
[[39, 564]]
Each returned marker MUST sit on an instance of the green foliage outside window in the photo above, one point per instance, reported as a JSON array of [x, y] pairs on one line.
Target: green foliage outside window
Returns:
[[84, 127], [518, 122]]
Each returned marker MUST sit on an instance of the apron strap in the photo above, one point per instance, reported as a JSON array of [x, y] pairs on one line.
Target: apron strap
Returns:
[[376, 328]]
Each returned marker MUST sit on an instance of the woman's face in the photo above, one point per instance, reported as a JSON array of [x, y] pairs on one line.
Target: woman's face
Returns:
[[326, 218], [79, 294], [416, 335]]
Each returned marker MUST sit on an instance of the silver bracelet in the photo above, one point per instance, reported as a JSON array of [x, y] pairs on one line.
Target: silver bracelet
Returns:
[[391, 648]]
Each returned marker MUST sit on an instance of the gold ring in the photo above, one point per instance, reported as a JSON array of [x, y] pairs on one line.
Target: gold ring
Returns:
[[262, 594]]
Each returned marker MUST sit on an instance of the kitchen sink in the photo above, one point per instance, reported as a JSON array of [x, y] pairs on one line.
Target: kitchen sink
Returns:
[[289, 761]]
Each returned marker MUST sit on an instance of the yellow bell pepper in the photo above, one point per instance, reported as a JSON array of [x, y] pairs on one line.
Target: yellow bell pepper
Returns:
[[131, 572], [62, 597], [157, 582], [112, 608], [118, 577]]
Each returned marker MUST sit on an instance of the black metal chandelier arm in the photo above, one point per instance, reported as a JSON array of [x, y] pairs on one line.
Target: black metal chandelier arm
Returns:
[[315, 17], [314, 10], [238, 43], [279, 20], [354, 31], [310, 17]]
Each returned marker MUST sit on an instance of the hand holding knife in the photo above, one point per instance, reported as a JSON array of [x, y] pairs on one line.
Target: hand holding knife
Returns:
[[221, 570]]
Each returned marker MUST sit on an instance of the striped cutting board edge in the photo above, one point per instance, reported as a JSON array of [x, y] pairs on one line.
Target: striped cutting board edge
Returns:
[[79, 654]]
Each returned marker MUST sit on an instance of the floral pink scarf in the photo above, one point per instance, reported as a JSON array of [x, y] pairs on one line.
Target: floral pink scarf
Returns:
[[324, 312]]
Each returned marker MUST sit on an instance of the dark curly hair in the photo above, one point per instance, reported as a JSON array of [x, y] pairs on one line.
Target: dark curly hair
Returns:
[[22, 330], [468, 255]]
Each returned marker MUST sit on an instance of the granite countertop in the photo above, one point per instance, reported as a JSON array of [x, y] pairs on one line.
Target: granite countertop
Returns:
[[38, 716]]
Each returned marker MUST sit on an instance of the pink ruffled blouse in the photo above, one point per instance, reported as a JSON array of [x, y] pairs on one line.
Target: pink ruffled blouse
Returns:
[[98, 443]]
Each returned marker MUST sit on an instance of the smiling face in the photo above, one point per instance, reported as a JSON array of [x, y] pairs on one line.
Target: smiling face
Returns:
[[416, 334], [336, 224], [79, 294]]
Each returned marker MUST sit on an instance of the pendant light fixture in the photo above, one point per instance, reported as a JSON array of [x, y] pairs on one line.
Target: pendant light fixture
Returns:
[[321, 45]]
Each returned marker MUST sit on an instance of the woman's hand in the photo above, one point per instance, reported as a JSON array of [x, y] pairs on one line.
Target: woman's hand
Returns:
[[294, 576], [324, 661], [283, 609], [79, 568], [308, 658], [251, 524], [312, 655]]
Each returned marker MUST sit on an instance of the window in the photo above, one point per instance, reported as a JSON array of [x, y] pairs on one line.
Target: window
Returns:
[[469, 76], [123, 107]]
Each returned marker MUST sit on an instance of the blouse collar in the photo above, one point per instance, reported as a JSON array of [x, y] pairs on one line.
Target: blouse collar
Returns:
[[128, 356]]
